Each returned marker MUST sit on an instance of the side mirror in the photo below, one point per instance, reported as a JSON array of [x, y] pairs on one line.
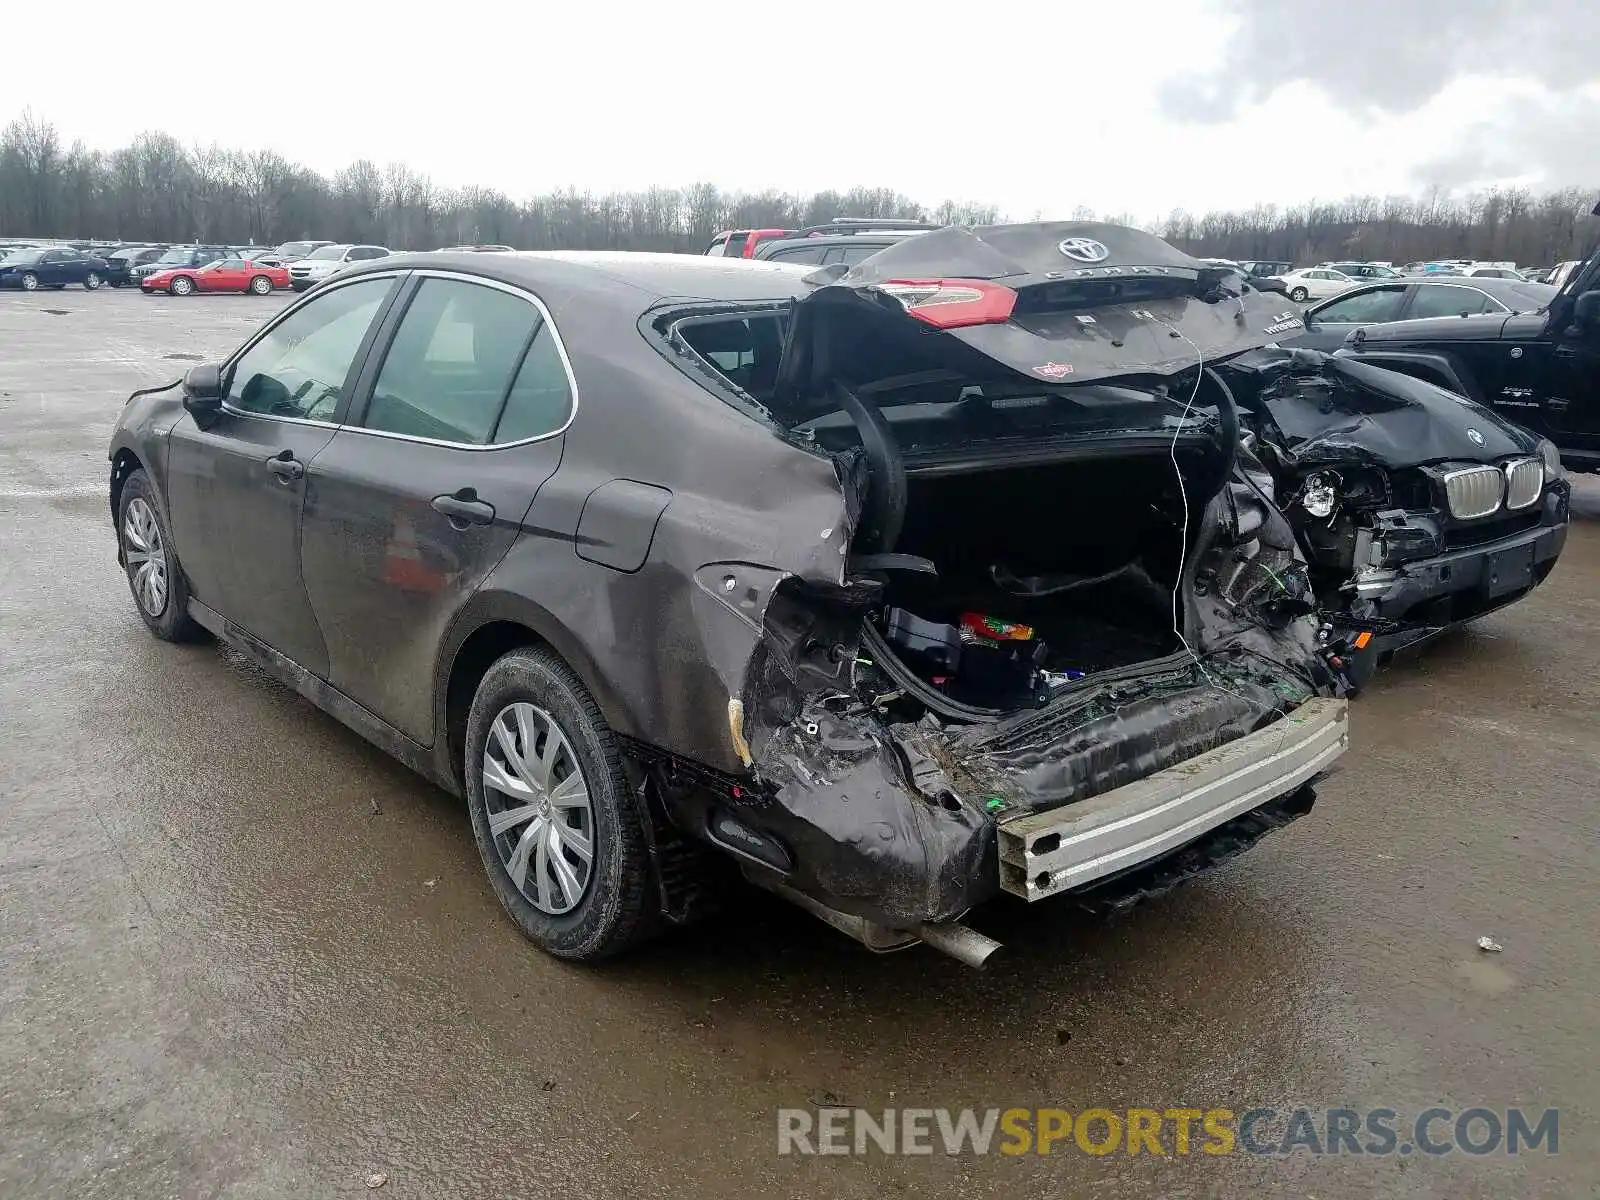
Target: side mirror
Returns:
[[202, 393], [1586, 312], [1307, 317]]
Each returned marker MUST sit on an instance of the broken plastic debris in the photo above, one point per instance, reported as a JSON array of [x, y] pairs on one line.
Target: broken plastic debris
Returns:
[[1489, 945], [377, 1180]]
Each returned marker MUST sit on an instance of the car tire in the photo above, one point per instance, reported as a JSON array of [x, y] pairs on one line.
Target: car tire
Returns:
[[160, 592], [261, 285], [91, 281], [535, 828], [299, 287], [181, 286], [1298, 295], [30, 282]]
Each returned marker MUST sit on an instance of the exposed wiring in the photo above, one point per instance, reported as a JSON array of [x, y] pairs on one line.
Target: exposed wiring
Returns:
[[1183, 532]]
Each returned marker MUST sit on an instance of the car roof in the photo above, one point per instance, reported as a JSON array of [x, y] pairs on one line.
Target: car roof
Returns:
[[1512, 292], [692, 276]]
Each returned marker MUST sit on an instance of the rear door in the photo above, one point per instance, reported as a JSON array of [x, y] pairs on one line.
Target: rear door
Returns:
[[420, 495], [235, 490]]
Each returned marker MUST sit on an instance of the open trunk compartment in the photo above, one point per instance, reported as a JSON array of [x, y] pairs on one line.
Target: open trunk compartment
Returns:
[[1046, 573]]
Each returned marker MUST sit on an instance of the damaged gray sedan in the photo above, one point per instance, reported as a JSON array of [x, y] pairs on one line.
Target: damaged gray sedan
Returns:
[[898, 589]]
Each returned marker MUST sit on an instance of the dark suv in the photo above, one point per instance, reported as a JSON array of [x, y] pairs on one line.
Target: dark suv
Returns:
[[1540, 369], [179, 256]]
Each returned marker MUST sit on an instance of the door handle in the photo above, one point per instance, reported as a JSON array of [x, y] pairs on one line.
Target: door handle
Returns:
[[464, 508], [286, 466]]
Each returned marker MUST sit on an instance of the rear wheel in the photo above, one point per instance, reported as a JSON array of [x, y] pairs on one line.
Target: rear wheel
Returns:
[[553, 811], [160, 592], [91, 281], [181, 286], [261, 285]]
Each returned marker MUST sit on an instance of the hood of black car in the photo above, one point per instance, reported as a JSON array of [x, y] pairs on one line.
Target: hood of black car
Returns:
[[1128, 304], [1352, 413]]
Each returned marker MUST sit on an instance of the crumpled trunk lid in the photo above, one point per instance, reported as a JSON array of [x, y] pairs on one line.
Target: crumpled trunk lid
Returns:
[[1088, 302]]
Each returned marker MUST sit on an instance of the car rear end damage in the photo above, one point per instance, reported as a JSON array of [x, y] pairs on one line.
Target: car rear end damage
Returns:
[[1068, 644]]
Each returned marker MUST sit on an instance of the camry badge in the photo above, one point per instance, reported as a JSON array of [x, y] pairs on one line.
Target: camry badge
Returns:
[[1476, 437], [1083, 249]]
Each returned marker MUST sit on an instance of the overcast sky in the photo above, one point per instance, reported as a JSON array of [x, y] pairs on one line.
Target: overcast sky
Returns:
[[1134, 108]]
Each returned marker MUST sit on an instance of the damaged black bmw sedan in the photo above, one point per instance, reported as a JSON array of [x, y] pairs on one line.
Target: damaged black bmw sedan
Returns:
[[948, 576]]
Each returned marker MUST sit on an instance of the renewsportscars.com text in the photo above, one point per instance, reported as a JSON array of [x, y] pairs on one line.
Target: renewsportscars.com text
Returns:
[[1167, 1131]]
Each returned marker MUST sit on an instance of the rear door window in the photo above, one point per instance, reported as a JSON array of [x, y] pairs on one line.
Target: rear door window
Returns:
[[1447, 300], [449, 369], [798, 254]]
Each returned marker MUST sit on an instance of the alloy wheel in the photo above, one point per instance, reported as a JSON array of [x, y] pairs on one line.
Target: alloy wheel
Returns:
[[145, 555], [537, 802]]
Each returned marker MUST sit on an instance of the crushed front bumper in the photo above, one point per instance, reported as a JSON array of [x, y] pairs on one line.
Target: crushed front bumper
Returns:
[[1062, 849], [1409, 586]]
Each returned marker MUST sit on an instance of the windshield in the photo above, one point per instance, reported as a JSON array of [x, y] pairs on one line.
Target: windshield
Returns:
[[334, 252], [294, 249], [23, 258], [175, 256]]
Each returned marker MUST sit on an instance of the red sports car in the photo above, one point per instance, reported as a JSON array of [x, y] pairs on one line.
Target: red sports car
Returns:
[[224, 275]]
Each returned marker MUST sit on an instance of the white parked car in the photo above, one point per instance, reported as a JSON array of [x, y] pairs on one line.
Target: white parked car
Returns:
[[1316, 283], [327, 260], [1494, 272]]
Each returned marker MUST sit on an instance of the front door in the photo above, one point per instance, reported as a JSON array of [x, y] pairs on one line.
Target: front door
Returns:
[[229, 275], [421, 494], [236, 489], [1575, 379], [1327, 324]]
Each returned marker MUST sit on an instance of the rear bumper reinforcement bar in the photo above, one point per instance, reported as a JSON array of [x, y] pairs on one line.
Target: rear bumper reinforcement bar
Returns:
[[1045, 853]]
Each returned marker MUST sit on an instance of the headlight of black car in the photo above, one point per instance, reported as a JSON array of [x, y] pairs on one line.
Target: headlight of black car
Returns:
[[1552, 461]]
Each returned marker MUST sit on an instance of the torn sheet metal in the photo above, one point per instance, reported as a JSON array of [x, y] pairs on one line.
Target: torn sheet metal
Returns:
[[1337, 410]]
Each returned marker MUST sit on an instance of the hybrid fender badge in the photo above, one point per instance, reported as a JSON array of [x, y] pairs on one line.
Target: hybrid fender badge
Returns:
[[1053, 370], [1477, 438], [1083, 249]]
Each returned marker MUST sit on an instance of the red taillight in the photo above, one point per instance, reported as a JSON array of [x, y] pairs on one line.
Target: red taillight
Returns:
[[953, 303]]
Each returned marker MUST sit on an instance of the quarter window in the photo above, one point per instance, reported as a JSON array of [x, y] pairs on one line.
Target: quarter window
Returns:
[[450, 367], [541, 397], [298, 369]]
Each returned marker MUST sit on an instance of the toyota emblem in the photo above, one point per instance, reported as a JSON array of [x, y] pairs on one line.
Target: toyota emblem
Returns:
[[1476, 437], [1083, 249]]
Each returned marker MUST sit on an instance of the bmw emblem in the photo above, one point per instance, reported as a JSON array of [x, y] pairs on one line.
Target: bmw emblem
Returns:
[[1477, 438], [1083, 249]]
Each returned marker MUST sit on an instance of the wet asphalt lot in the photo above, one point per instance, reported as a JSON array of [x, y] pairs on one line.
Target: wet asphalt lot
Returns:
[[245, 954]]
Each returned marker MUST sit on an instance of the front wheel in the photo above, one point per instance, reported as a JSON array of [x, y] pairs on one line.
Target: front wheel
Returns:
[[154, 577], [30, 282], [261, 285], [1298, 295], [181, 286], [553, 812], [91, 281]]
